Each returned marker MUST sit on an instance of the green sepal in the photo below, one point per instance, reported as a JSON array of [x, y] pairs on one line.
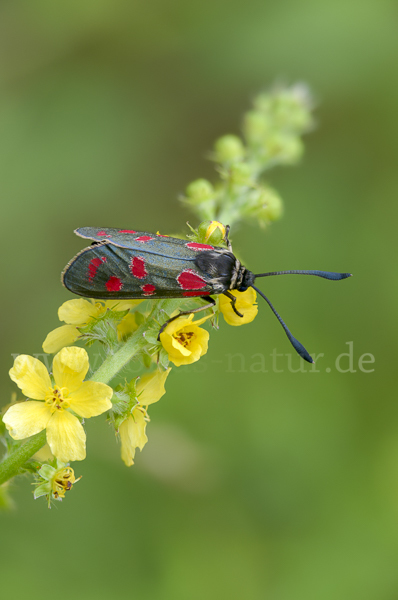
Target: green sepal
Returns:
[[104, 328], [164, 358], [47, 471], [151, 336], [43, 489], [146, 359], [126, 398], [139, 317], [32, 466]]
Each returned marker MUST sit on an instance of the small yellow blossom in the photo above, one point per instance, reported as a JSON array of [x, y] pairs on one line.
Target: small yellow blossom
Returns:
[[53, 404], [150, 388], [54, 482], [184, 341], [78, 313], [214, 225], [211, 232], [245, 304]]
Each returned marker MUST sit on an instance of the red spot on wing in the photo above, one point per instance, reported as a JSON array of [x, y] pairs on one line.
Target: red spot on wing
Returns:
[[137, 267], [103, 234], [127, 231], [114, 284], [148, 289], [144, 238], [190, 280], [195, 246], [195, 293], [93, 266]]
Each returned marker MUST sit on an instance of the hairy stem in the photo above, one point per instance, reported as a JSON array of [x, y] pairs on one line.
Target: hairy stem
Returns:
[[12, 465]]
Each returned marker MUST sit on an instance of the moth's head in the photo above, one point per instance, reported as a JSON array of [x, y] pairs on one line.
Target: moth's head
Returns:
[[247, 281]]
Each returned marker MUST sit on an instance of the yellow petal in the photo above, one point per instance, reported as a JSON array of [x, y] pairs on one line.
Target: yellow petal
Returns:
[[127, 326], [31, 376], [26, 418], [178, 324], [70, 367], [202, 320], [91, 399], [60, 337], [132, 436], [245, 304], [151, 387], [120, 305], [137, 426], [178, 348], [66, 437], [127, 450], [200, 345], [44, 454], [77, 312]]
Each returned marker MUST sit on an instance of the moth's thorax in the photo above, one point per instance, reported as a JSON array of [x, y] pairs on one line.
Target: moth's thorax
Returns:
[[225, 271]]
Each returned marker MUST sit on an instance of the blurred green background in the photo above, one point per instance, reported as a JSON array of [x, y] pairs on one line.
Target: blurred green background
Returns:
[[253, 485]]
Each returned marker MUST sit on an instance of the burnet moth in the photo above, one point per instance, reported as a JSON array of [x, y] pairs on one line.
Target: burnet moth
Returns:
[[122, 263]]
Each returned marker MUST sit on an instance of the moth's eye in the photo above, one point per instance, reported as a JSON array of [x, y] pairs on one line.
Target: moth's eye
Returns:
[[243, 288]]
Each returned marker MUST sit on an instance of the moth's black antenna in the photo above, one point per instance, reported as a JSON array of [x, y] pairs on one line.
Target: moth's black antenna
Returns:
[[299, 348], [324, 274]]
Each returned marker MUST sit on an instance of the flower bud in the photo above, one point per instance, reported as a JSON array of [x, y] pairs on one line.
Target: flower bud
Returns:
[[256, 126], [241, 173], [211, 232], [269, 206], [284, 148], [273, 206], [200, 190], [229, 148]]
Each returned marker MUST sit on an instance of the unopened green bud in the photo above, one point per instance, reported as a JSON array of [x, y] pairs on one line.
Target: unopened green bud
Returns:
[[211, 232], [289, 109], [292, 148], [256, 126], [284, 148], [200, 190], [264, 205], [241, 173], [229, 148], [272, 204]]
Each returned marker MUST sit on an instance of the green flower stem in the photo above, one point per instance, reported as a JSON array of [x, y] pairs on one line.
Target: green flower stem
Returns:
[[111, 366], [12, 465]]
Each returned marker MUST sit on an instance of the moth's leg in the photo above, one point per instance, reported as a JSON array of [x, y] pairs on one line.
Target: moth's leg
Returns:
[[210, 303], [233, 302], [226, 240]]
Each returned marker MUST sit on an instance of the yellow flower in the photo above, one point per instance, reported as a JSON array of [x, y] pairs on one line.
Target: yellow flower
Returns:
[[65, 434], [245, 304], [150, 388], [184, 341], [78, 313]]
